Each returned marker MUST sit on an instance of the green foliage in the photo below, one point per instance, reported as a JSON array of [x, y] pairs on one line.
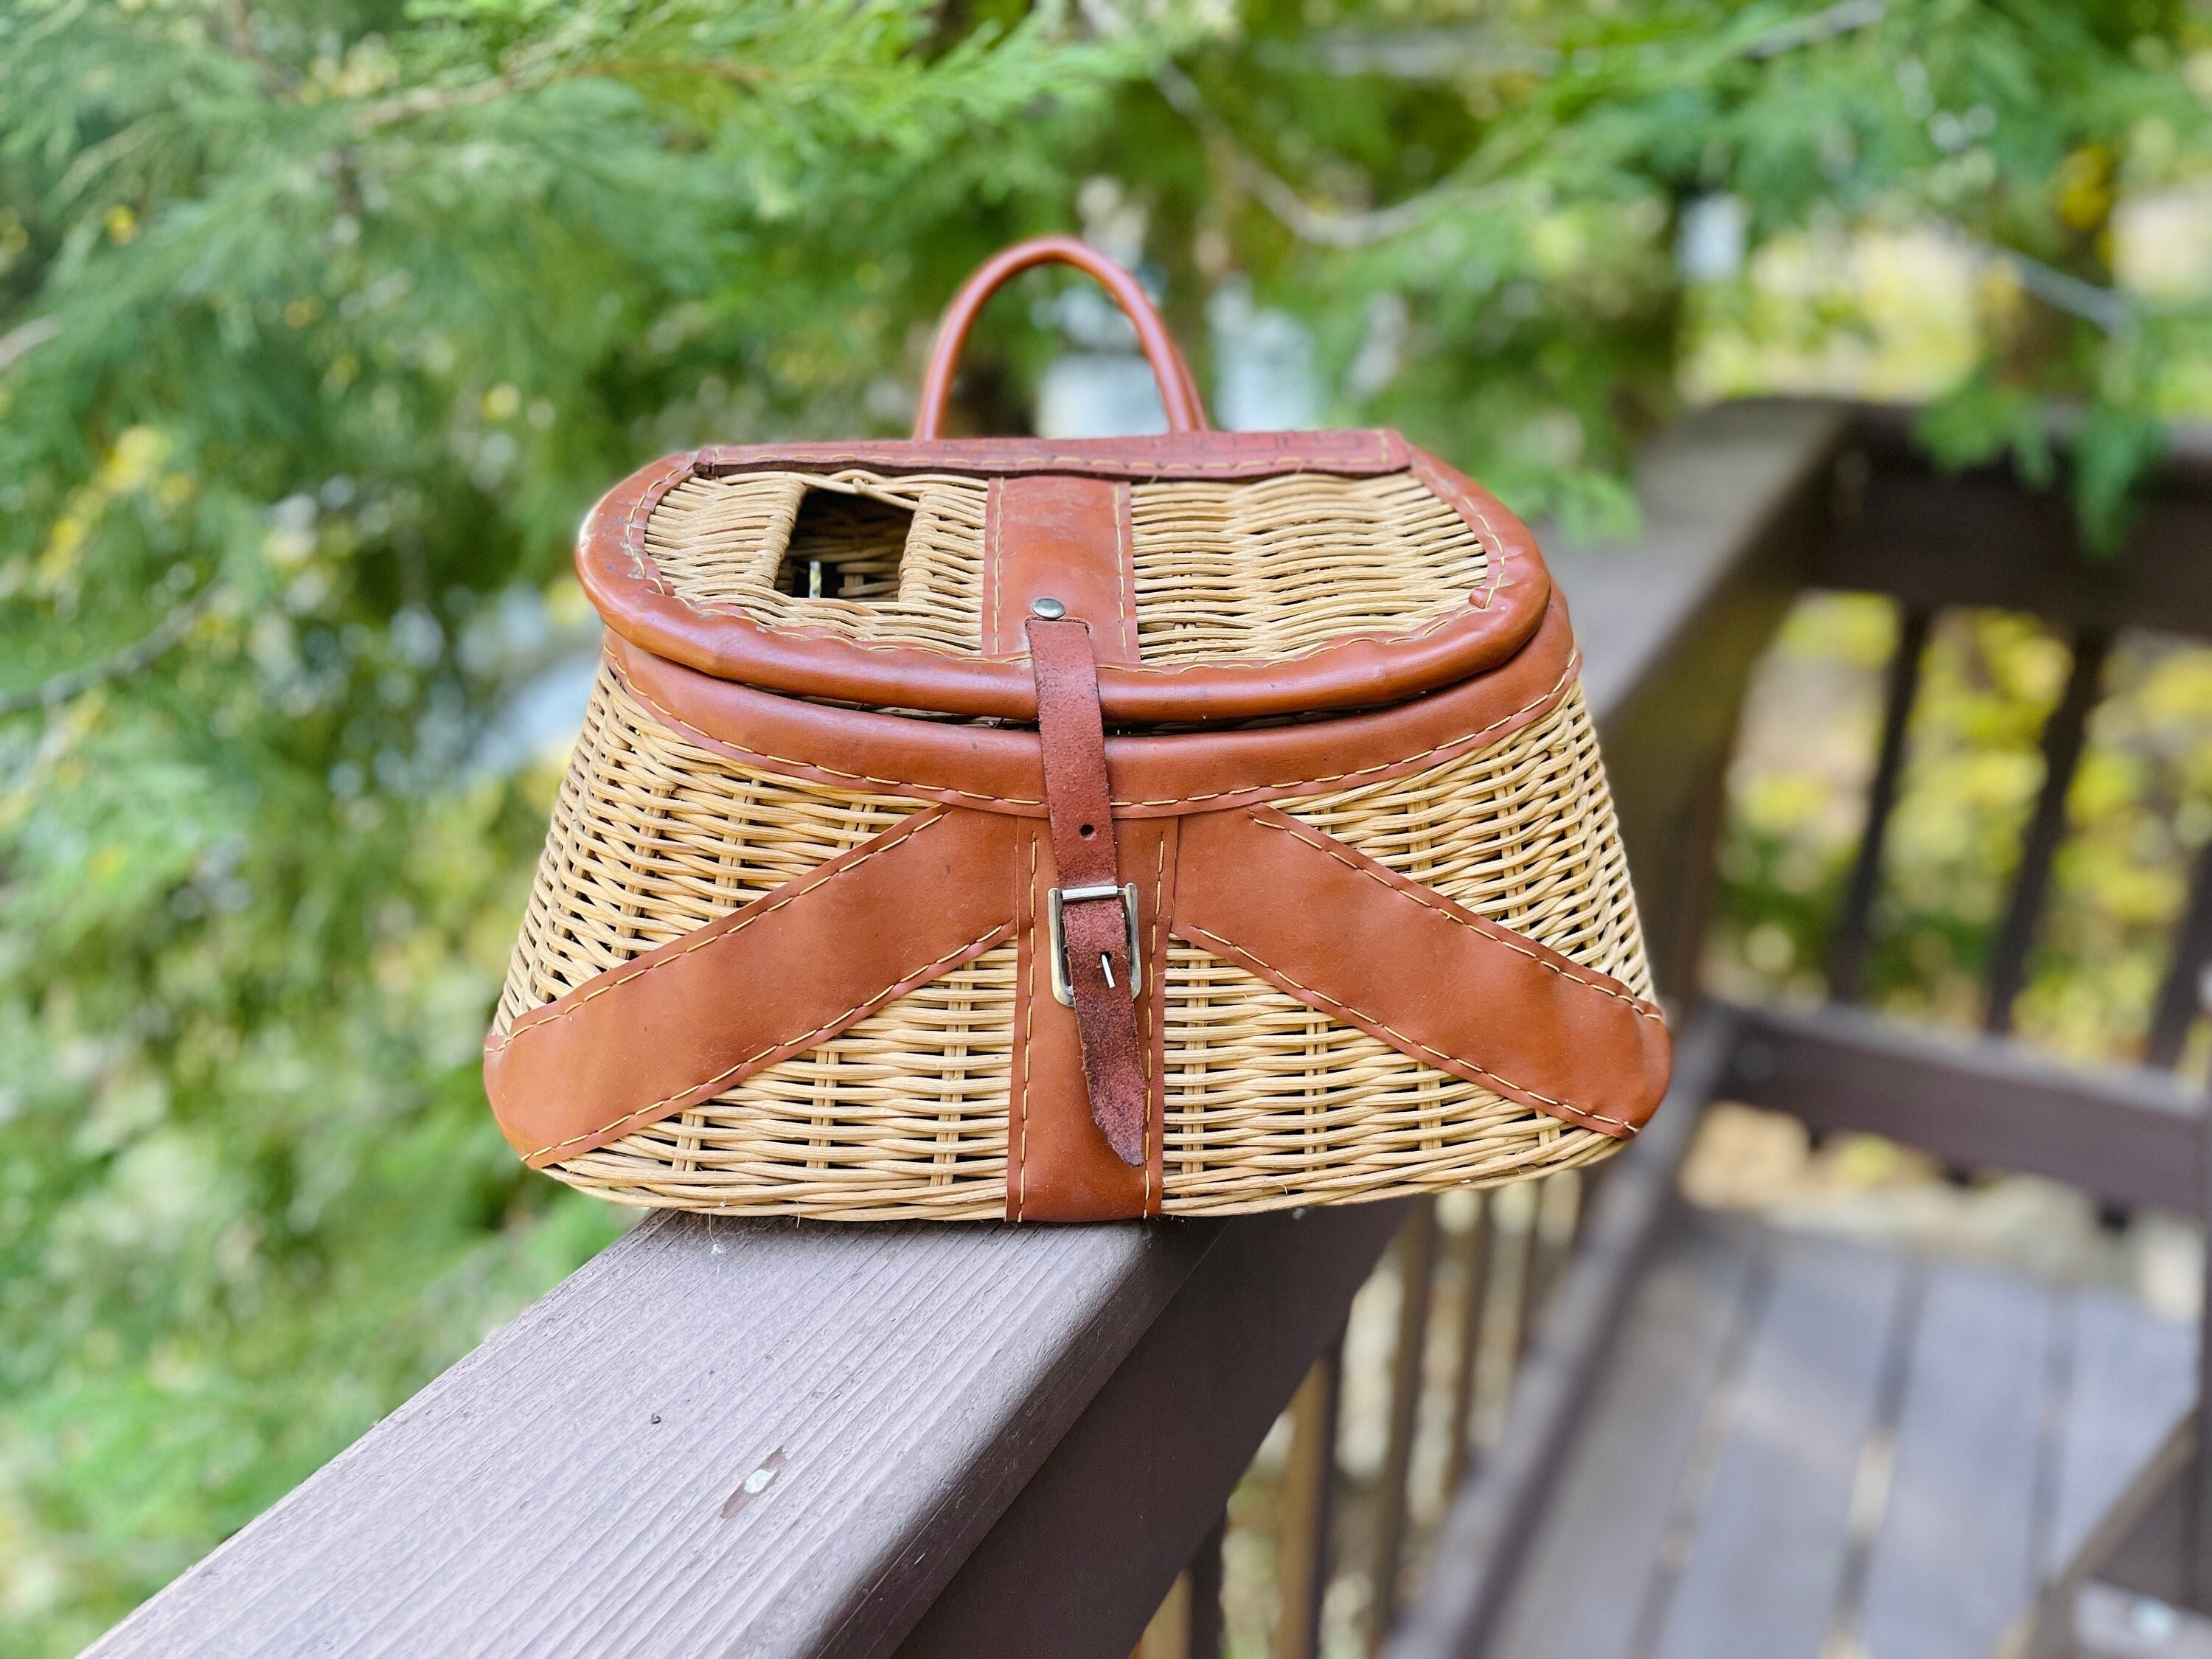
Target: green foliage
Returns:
[[321, 321], [327, 322], [2139, 809]]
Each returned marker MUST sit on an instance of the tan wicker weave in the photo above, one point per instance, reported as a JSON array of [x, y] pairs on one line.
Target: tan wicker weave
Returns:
[[904, 1115], [889, 726], [1269, 568]]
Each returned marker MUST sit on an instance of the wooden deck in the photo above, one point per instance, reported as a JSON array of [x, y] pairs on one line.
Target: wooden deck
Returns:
[[1806, 1448]]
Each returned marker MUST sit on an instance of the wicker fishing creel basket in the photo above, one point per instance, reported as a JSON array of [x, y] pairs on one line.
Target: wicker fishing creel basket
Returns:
[[792, 945]]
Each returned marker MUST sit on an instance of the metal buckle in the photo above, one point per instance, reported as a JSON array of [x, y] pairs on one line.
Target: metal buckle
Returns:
[[1063, 988]]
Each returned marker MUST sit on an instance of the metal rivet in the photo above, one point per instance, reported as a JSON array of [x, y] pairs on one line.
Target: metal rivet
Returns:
[[1051, 609]]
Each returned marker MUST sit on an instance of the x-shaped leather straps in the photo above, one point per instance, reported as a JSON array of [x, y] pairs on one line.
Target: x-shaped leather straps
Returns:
[[1307, 914]]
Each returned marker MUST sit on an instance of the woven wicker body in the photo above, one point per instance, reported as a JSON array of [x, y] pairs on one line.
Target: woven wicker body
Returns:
[[1073, 830], [1269, 1103]]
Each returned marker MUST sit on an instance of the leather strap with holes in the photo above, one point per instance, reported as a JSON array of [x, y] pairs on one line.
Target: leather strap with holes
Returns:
[[1096, 920]]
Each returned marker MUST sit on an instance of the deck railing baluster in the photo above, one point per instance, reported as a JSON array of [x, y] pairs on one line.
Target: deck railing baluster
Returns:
[[1474, 1256], [2181, 993], [1416, 1266], [1203, 1640], [1305, 1509], [2064, 735], [1847, 947], [1551, 1238], [1516, 1242]]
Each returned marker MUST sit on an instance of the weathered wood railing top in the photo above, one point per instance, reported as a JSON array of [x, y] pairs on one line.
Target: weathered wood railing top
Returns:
[[751, 1436]]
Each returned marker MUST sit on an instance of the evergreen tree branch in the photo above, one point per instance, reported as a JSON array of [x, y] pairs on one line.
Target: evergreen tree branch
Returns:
[[2107, 309], [424, 101], [1324, 227], [25, 338], [139, 655], [1823, 25]]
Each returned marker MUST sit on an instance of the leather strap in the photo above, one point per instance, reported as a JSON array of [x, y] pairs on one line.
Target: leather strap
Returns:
[[1329, 926], [1216, 456], [1095, 928], [1067, 539], [700, 1014], [1058, 1167]]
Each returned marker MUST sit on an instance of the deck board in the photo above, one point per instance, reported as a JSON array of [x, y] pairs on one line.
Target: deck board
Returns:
[[1772, 1542], [2131, 1377], [1763, 1378], [1623, 1486], [1953, 1561]]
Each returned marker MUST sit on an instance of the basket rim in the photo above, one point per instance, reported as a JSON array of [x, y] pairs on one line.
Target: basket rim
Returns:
[[1360, 670], [1154, 775]]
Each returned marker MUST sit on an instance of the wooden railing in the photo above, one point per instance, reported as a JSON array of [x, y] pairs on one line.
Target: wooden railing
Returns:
[[1894, 526], [757, 1438]]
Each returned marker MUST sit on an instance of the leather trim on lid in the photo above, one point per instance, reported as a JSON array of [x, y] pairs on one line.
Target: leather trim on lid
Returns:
[[1186, 455], [1358, 671], [995, 770]]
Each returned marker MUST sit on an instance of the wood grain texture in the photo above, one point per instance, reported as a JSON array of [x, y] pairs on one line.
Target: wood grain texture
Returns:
[[1081, 1557], [1736, 501], [1953, 1560], [1493, 1517], [1619, 1493], [1767, 1566], [2125, 1136], [1980, 538], [2022, 1411], [2131, 1377], [579, 1484]]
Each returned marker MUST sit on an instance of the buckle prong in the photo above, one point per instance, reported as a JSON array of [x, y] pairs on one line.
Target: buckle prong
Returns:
[[1063, 987]]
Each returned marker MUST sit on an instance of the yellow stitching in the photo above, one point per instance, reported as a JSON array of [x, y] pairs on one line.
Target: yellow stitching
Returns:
[[792, 1045], [639, 562], [1447, 1061], [1432, 475], [1029, 1025], [867, 455], [761, 907], [1435, 901], [684, 725], [994, 511], [1263, 467], [1299, 785], [1211, 665], [1308, 785], [1159, 1022], [1123, 604]]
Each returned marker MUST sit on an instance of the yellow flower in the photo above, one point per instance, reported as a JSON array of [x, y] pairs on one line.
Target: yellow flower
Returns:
[[2084, 187]]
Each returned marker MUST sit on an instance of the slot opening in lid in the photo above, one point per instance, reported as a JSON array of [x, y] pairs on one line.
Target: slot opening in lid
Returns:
[[844, 547]]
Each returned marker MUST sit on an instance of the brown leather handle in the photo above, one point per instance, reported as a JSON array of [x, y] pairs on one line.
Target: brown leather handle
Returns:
[[1178, 391]]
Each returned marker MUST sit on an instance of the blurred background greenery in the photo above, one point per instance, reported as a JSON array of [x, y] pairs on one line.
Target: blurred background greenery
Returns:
[[322, 320]]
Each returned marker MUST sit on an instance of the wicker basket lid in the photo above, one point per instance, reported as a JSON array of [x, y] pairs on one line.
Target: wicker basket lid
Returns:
[[1269, 574]]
